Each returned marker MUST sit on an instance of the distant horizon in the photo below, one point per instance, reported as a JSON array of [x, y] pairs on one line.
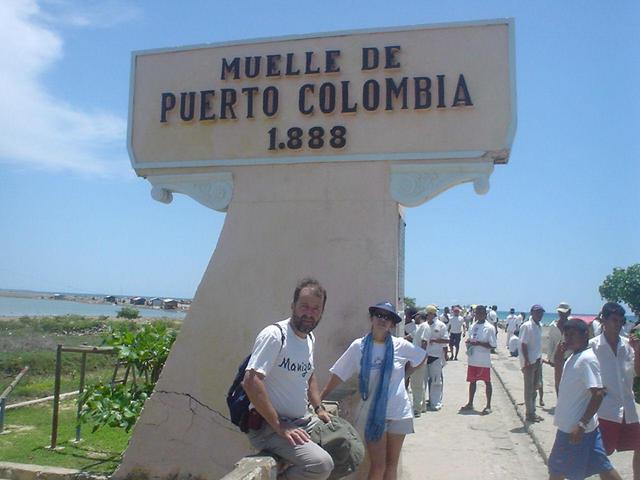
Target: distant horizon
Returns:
[[89, 294], [93, 294]]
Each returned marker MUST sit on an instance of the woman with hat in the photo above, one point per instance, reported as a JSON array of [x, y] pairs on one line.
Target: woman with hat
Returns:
[[385, 413]]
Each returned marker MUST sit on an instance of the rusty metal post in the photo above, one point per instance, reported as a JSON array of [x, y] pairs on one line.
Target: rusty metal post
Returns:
[[56, 398], [83, 367], [2, 403]]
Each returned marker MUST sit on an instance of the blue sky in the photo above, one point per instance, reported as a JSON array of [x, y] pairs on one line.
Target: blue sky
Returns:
[[555, 222]]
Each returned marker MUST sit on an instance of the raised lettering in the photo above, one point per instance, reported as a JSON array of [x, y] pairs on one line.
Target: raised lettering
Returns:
[[252, 66], [233, 67], [228, 99], [330, 61], [390, 56], [394, 90], [273, 65], [371, 95], [302, 97], [462, 93], [185, 115], [441, 103], [290, 70], [370, 58], [308, 70], [250, 92], [422, 92], [345, 99], [270, 101], [167, 103], [327, 95], [205, 105]]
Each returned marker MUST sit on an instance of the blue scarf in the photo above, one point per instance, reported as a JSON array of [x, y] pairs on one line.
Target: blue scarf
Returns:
[[378, 409]]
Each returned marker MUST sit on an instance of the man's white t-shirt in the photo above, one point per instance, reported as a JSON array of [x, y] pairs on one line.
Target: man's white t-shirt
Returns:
[[479, 356], [410, 328], [581, 373], [421, 334], [531, 334], [492, 316], [286, 368], [618, 374], [398, 404], [512, 323], [555, 337], [456, 323], [437, 331]]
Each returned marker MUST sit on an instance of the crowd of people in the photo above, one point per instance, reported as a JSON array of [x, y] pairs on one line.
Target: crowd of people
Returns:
[[400, 366]]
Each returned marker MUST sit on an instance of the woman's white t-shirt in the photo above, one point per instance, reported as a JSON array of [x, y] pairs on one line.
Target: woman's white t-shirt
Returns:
[[398, 404]]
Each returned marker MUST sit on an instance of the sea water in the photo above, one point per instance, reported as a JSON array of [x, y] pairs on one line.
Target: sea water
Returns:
[[17, 307]]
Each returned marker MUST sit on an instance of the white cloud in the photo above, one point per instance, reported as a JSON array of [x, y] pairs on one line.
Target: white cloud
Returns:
[[89, 13], [39, 130]]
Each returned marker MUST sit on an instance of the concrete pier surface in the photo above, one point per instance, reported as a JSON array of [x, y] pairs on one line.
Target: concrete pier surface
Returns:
[[453, 444]]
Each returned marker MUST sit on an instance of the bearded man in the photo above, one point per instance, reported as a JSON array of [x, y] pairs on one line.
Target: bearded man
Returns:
[[280, 383]]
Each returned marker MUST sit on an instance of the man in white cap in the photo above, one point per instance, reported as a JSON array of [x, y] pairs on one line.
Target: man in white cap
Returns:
[[436, 352], [555, 332], [530, 360], [419, 338]]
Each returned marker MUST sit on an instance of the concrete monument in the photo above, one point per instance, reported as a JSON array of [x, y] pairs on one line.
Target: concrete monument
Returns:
[[311, 145]]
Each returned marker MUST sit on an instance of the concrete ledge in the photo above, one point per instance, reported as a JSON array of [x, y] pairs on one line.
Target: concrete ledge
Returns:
[[254, 467], [521, 415], [25, 471]]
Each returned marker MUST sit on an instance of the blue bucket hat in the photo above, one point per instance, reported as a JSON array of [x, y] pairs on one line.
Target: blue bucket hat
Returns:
[[387, 307]]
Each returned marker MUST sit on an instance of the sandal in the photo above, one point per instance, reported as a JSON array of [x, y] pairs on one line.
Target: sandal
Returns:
[[466, 408], [486, 411]]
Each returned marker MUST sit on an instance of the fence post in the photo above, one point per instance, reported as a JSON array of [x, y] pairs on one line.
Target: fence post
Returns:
[[2, 402], [56, 398], [83, 367]]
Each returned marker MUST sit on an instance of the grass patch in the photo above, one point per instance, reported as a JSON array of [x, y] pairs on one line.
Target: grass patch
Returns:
[[32, 341], [28, 436]]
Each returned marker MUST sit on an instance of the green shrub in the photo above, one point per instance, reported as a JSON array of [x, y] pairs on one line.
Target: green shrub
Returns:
[[144, 349], [128, 312]]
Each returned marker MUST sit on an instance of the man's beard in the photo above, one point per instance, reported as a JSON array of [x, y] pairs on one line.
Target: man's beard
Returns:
[[301, 326]]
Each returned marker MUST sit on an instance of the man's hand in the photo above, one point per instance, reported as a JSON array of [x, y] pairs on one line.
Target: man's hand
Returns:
[[324, 416], [576, 434], [295, 436], [558, 356]]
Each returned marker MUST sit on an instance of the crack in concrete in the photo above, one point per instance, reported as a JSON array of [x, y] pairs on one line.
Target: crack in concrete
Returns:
[[194, 413]]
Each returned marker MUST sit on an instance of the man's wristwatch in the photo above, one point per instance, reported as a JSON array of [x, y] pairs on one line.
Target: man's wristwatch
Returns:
[[318, 408], [582, 425]]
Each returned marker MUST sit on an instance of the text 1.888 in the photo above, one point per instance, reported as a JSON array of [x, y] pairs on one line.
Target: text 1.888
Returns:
[[315, 138]]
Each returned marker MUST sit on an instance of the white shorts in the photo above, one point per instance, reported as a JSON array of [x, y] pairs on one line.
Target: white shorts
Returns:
[[399, 427]]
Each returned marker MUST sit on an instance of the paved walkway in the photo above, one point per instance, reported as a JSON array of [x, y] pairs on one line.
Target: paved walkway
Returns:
[[450, 444]]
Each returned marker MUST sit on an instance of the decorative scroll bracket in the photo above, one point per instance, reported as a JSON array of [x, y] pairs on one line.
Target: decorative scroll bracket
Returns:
[[213, 190], [414, 184]]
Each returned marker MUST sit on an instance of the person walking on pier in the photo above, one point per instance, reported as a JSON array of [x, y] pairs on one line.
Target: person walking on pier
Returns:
[[419, 339], [280, 382], [512, 324], [619, 359], [482, 338], [456, 332], [577, 451], [384, 414], [436, 357], [530, 360], [555, 334]]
